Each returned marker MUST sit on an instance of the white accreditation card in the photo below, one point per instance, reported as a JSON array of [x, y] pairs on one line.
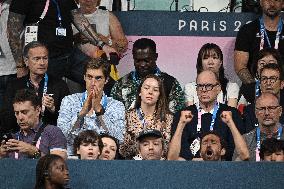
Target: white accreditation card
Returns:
[[31, 33], [61, 31]]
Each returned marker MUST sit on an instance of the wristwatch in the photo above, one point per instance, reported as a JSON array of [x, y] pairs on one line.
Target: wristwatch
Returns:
[[101, 44], [37, 154], [101, 112]]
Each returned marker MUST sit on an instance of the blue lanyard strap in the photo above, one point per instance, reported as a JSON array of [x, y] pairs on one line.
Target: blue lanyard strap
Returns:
[[264, 33], [141, 117], [44, 90], [216, 107], [257, 87], [58, 12], [137, 80], [258, 141], [103, 103]]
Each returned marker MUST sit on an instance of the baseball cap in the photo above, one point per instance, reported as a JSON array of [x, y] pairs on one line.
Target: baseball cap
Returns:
[[149, 132]]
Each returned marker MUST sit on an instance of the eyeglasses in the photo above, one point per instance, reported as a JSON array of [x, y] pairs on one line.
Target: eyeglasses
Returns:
[[271, 79], [205, 87], [270, 109]]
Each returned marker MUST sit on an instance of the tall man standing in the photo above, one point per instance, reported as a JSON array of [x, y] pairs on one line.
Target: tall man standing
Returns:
[[266, 31]]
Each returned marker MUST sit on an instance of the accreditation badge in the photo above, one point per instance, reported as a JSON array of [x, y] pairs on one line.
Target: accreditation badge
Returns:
[[61, 31], [31, 33], [195, 146], [2, 55]]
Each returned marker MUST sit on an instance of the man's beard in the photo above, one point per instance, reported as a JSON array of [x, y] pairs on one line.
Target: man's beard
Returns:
[[272, 15]]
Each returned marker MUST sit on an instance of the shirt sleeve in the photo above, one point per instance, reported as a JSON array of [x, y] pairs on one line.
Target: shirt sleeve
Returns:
[[114, 119], [245, 37], [232, 90], [190, 92], [52, 138]]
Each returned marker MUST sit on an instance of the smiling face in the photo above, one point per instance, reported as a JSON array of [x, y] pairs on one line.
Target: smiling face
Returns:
[[211, 148], [89, 151]]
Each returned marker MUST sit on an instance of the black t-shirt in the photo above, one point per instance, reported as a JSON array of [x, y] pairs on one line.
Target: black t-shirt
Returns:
[[190, 131], [32, 9], [248, 40]]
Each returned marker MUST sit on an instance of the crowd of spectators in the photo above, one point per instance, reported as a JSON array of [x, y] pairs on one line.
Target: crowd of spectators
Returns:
[[144, 115]]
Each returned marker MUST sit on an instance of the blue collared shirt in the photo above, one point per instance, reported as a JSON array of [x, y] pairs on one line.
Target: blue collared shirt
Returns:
[[71, 105]]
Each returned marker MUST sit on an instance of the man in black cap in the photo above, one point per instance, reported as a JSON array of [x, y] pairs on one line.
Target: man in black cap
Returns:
[[150, 144]]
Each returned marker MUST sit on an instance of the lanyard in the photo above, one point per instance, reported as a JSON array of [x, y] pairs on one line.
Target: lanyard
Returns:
[[264, 34], [216, 107], [44, 11], [135, 78], [103, 103], [44, 91], [141, 118], [257, 87], [258, 141], [58, 12]]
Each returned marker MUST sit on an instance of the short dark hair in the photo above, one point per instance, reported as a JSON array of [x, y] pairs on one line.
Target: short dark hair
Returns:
[[275, 67], [27, 95], [87, 136], [144, 43], [98, 63], [32, 45], [271, 145], [263, 53], [42, 168], [105, 135], [222, 141]]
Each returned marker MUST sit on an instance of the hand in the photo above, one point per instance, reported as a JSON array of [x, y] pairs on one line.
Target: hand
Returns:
[[87, 105], [185, 116], [226, 117], [107, 49], [22, 72], [3, 150], [20, 146], [48, 102], [97, 97]]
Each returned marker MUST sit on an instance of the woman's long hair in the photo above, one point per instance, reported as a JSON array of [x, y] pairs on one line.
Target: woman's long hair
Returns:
[[206, 50], [161, 106]]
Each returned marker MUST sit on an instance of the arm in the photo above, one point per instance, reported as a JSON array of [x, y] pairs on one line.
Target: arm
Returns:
[[119, 41], [175, 144], [240, 63], [15, 26], [83, 25], [233, 94], [240, 144], [189, 91]]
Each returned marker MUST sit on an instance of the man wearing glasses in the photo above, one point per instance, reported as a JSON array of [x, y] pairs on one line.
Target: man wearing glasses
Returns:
[[206, 118], [271, 80], [92, 110], [268, 112], [51, 90]]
